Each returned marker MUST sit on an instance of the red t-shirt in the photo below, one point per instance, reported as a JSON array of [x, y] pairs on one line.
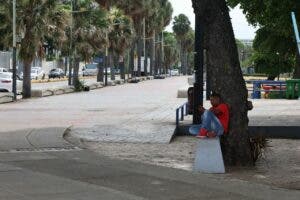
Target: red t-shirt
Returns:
[[223, 116]]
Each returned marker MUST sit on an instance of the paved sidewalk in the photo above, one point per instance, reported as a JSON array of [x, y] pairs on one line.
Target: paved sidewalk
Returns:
[[36, 163]]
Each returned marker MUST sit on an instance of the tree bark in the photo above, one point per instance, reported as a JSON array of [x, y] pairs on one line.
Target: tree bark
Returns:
[[100, 74], [146, 59], [131, 59], [139, 54], [296, 74], [152, 55], [75, 71], [122, 67], [112, 65], [26, 79], [182, 58], [226, 77]]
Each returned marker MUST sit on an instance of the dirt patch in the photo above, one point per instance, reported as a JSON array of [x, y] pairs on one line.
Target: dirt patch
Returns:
[[280, 165]]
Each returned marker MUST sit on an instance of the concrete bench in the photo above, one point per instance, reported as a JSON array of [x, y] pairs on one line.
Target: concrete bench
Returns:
[[209, 158], [6, 97], [42, 93]]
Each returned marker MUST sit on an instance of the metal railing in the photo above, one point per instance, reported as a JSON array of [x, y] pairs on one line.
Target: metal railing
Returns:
[[181, 112]]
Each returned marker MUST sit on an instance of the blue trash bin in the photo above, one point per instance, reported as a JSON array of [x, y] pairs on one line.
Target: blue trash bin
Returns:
[[256, 90]]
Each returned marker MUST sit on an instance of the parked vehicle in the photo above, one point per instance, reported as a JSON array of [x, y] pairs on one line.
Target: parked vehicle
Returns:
[[36, 73], [174, 72], [6, 83], [80, 73], [56, 73], [90, 70], [5, 71], [108, 70]]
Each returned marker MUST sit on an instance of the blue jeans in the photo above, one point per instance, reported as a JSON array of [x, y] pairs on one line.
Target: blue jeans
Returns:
[[210, 122]]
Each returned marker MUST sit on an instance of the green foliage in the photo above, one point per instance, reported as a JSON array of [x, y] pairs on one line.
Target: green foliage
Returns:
[[275, 34], [181, 26], [245, 54], [79, 85], [121, 32], [171, 50]]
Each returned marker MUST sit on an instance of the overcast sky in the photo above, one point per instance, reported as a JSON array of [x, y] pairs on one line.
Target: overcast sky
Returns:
[[241, 27]]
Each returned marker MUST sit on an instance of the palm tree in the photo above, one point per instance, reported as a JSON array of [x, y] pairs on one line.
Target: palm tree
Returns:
[[36, 20], [120, 37], [89, 34], [181, 27], [189, 47], [155, 23], [137, 10], [171, 53]]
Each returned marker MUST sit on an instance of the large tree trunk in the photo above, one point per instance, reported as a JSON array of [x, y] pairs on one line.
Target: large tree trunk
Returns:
[[152, 55], [296, 74], [26, 79], [139, 54], [66, 65], [131, 59], [112, 66], [75, 71], [122, 67], [226, 77], [146, 58], [100, 74], [182, 58]]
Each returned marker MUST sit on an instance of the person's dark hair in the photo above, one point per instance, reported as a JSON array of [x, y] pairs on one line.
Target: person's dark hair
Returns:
[[214, 94]]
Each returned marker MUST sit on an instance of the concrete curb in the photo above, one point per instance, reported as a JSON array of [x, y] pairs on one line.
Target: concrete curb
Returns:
[[6, 97], [111, 83], [120, 82], [272, 132], [75, 141], [42, 93]]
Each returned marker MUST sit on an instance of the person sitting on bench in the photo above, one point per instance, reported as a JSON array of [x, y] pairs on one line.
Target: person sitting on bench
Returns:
[[215, 121]]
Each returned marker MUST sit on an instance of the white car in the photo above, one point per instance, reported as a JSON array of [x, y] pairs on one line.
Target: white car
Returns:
[[174, 72], [90, 70], [5, 71], [6, 83], [36, 73]]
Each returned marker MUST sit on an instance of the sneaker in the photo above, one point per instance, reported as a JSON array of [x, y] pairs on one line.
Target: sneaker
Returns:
[[211, 134], [203, 133]]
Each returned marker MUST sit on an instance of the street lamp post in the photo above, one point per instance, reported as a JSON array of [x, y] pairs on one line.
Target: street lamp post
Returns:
[[14, 88]]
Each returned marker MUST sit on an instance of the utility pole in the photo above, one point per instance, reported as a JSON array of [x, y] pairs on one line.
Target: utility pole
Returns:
[[162, 52], [71, 47], [154, 55], [145, 56], [14, 86], [106, 58]]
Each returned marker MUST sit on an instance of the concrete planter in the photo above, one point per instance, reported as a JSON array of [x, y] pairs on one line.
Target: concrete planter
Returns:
[[111, 83], [42, 93], [191, 80], [6, 97], [69, 89], [182, 93], [58, 91], [120, 82], [150, 77]]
